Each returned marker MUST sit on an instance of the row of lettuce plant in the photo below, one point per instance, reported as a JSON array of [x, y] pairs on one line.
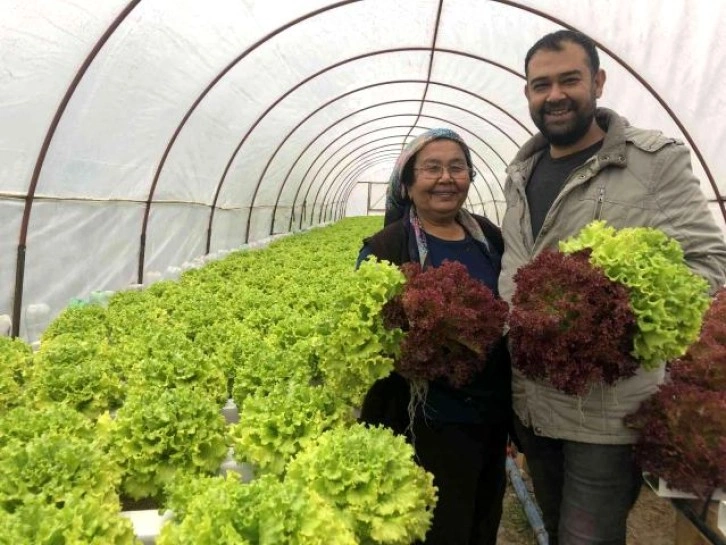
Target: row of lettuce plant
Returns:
[[291, 332]]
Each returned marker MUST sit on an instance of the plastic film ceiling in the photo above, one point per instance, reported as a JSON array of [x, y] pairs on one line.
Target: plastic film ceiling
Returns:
[[138, 135]]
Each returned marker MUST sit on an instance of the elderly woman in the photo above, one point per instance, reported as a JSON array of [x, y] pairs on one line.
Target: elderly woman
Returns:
[[459, 435]]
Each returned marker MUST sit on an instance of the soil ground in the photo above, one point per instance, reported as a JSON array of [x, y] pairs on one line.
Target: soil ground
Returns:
[[651, 522]]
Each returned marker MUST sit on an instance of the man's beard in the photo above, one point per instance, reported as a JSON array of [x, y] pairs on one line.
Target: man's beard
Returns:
[[565, 135]]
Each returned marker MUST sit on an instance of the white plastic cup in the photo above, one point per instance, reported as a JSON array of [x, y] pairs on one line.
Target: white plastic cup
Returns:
[[6, 325], [36, 320], [172, 273], [151, 278]]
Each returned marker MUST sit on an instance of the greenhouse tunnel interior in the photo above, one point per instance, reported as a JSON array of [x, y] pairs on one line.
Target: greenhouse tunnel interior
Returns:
[[139, 137]]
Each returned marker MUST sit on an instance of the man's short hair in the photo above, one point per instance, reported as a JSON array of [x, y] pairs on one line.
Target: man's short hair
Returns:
[[554, 41]]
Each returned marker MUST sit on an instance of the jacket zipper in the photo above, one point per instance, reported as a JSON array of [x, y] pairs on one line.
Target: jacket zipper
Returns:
[[598, 205]]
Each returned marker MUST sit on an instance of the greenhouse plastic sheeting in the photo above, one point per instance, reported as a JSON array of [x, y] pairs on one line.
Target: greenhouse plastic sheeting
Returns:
[[138, 135]]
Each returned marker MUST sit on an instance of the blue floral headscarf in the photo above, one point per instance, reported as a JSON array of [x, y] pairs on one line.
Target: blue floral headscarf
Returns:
[[398, 203]]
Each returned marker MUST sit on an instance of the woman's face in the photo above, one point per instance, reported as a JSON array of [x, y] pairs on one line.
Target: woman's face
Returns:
[[440, 195]]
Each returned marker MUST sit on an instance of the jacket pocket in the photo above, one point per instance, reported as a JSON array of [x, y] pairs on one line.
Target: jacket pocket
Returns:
[[618, 206]]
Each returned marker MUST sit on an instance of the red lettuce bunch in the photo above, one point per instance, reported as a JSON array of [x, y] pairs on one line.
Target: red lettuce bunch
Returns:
[[570, 325], [704, 364], [683, 437], [683, 425], [451, 321]]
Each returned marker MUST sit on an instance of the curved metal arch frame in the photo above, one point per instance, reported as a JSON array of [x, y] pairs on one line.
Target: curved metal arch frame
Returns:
[[376, 159], [428, 71], [392, 147], [386, 128], [310, 78], [339, 211], [354, 170], [346, 187], [332, 155], [282, 185], [193, 107], [360, 168], [470, 112], [420, 116], [387, 156], [339, 188], [352, 161], [50, 133], [315, 200], [299, 157], [368, 163], [334, 166], [351, 187], [323, 206], [60, 111], [445, 85]]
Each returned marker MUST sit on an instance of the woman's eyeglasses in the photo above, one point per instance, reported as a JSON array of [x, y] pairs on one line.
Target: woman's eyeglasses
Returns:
[[434, 172]]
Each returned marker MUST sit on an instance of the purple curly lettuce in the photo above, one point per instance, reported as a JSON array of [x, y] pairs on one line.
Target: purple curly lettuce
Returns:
[[683, 437], [451, 320], [570, 325], [704, 364]]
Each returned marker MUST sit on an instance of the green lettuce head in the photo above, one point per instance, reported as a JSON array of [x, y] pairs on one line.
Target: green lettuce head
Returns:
[[370, 476], [225, 511], [668, 300]]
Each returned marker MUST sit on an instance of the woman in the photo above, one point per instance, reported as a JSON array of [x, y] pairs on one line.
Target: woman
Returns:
[[459, 435]]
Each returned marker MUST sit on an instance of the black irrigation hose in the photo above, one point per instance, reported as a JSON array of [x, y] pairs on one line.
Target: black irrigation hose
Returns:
[[685, 507]]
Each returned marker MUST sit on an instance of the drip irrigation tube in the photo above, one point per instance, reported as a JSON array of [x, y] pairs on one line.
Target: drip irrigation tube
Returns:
[[530, 508], [684, 507]]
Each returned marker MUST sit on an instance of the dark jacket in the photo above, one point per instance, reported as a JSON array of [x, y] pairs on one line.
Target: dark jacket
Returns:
[[394, 242]]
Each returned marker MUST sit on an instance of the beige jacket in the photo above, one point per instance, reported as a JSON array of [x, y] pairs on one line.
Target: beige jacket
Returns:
[[638, 178]]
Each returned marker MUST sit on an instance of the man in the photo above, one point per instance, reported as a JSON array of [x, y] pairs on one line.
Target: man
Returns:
[[588, 163]]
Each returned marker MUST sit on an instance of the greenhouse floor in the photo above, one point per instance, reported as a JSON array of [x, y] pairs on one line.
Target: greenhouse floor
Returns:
[[652, 521]]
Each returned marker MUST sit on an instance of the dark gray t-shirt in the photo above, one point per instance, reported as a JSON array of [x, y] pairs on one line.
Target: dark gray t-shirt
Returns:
[[547, 179]]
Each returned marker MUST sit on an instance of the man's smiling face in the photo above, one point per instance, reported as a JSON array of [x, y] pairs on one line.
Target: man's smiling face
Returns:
[[562, 93]]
